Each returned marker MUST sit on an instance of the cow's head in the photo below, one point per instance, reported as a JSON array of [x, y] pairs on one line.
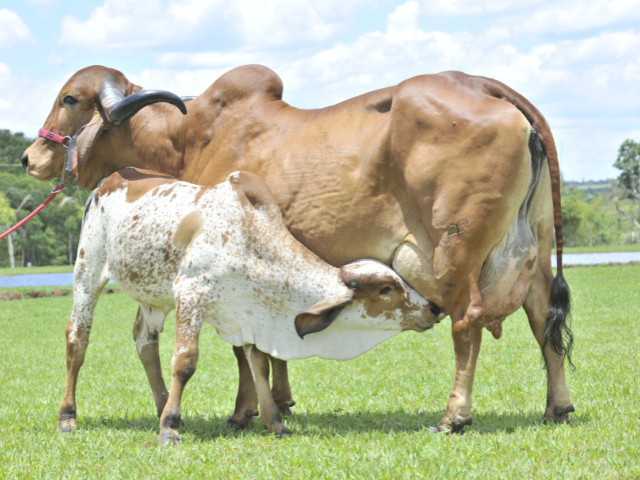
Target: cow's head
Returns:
[[92, 101], [376, 298]]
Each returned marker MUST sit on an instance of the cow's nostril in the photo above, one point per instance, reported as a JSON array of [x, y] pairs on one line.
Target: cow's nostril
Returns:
[[25, 160]]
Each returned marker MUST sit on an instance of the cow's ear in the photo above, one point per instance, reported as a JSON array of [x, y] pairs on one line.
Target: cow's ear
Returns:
[[322, 314], [132, 88], [81, 144]]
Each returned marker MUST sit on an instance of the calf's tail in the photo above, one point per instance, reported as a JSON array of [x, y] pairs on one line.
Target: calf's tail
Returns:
[[557, 330]]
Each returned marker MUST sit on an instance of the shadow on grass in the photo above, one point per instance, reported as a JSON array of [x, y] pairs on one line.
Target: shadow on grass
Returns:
[[328, 424]]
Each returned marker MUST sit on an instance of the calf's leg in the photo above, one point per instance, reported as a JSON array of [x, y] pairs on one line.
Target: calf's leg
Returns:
[[259, 364], [246, 400], [77, 333], [183, 366], [146, 334], [536, 306]]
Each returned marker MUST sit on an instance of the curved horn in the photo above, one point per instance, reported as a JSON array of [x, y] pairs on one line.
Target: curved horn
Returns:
[[119, 108]]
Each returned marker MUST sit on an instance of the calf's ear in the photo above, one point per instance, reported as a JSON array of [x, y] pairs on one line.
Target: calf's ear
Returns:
[[322, 314]]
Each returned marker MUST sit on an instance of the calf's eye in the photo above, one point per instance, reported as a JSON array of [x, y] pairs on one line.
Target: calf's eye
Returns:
[[385, 290], [70, 100]]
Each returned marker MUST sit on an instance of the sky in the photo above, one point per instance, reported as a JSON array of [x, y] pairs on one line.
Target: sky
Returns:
[[578, 61]]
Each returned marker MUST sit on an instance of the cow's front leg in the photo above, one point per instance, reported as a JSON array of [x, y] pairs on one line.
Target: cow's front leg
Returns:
[[259, 364], [536, 306], [466, 328], [246, 400], [146, 334], [280, 389], [183, 366]]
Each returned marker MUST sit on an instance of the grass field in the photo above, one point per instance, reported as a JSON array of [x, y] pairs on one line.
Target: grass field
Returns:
[[35, 270], [365, 418]]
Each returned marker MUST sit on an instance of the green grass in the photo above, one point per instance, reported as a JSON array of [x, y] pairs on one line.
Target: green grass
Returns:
[[365, 418], [36, 270], [603, 249]]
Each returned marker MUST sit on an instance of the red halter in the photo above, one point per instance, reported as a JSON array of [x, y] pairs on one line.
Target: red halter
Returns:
[[52, 136]]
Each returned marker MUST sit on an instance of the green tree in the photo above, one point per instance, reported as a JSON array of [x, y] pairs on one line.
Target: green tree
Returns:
[[7, 219], [50, 238], [628, 162]]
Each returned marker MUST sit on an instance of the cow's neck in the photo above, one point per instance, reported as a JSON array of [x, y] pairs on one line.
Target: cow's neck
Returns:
[[152, 139]]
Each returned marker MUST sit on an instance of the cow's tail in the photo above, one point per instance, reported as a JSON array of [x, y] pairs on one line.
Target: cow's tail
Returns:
[[557, 330]]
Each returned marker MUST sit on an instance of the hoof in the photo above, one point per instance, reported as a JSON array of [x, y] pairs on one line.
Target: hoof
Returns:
[[456, 426], [166, 438], [67, 425], [558, 414], [245, 422], [284, 433], [285, 408]]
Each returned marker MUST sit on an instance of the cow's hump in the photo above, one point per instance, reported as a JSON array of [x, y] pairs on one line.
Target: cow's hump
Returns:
[[247, 81]]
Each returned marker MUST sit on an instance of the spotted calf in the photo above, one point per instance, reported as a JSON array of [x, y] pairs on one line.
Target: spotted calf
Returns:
[[223, 255]]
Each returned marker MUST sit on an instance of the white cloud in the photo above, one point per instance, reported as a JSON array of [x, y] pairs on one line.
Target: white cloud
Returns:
[[471, 7], [13, 31], [590, 81], [575, 15], [210, 59], [131, 24], [145, 23], [25, 102]]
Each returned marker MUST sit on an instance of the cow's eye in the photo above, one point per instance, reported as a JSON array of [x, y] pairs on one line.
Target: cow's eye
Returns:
[[385, 290], [70, 100]]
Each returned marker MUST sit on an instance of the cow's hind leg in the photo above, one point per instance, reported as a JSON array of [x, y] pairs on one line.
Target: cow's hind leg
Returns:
[[280, 389], [259, 364], [77, 333], [536, 306], [246, 400], [146, 334]]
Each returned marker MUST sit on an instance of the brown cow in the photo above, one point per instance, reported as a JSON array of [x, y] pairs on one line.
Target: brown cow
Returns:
[[443, 176]]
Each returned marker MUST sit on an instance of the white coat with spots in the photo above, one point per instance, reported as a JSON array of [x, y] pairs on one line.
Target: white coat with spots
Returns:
[[223, 255]]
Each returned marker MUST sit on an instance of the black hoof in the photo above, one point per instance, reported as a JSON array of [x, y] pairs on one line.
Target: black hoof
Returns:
[[167, 438], [284, 433], [286, 410], [560, 414], [285, 407], [456, 426], [245, 422], [66, 429]]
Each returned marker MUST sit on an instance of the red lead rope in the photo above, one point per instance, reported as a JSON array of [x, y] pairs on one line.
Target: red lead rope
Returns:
[[56, 138], [34, 213]]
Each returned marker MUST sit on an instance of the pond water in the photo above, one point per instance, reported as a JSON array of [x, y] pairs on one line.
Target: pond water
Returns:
[[597, 258], [61, 279], [37, 280]]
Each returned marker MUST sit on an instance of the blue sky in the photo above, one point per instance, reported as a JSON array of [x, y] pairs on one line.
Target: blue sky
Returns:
[[578, 61]]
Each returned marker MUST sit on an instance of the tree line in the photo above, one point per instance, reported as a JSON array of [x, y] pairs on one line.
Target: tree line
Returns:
[[51, 237], [596, 213]]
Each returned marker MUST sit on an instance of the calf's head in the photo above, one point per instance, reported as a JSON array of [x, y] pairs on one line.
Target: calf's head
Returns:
[[92, 101], [375, 297]]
